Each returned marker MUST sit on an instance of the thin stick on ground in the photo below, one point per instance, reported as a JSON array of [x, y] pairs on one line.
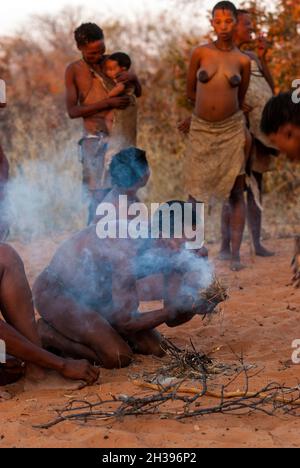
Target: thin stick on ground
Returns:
[[222, 395]]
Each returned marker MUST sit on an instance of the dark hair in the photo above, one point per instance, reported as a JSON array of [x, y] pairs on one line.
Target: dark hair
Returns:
[[240, 11], [278, 111], [225, 6], [169, 204], [128, 167], [122, 59], [88, 32]]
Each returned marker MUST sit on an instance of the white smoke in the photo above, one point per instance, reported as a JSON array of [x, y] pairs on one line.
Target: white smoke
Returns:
[[45, 197]]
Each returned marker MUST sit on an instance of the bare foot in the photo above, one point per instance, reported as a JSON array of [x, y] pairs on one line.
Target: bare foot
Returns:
[[224, 255], [262, 252], [236, 265]]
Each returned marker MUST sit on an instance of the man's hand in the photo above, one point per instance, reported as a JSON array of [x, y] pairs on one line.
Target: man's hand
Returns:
[[246, 108], [205, 307], [118, 90], [126, 77], [185, 125], [130, 77], [119, 102], [80, 370]]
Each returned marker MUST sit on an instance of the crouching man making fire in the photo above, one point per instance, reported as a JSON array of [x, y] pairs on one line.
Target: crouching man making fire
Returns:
[[88, 296]]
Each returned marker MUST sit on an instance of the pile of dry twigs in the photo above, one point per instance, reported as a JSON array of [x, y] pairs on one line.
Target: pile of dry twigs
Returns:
[[189, 363], [173, 398]]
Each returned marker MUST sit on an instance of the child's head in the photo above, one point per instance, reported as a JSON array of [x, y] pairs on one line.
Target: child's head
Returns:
[[224, 19], [281, 123], [117, 63], [129, 169]]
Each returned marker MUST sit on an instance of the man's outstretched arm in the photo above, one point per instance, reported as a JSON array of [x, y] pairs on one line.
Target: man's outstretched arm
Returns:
[[21, 348], [127, 318]]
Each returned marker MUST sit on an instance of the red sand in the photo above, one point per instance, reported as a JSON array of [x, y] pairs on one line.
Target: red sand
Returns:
[[261, 319]]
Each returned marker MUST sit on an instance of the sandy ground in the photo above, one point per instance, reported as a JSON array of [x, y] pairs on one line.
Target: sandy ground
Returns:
[[262, 318]]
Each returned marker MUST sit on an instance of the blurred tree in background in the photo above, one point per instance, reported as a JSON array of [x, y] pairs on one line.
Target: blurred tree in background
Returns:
[[35, 126]]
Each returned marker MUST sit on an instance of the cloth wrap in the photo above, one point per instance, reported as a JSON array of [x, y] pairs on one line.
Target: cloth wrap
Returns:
[[258, 94], [215, 157]]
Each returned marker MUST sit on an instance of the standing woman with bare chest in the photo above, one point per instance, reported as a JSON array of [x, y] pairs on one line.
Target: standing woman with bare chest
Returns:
[[218, 80]]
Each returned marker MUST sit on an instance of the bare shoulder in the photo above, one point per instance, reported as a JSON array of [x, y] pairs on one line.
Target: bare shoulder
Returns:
[[245, 58], [73, 67], [206, 45], [197, 52], [203, 48]]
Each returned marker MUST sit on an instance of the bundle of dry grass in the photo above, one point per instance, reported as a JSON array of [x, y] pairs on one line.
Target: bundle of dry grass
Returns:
[[209, 298], [215, 293]]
